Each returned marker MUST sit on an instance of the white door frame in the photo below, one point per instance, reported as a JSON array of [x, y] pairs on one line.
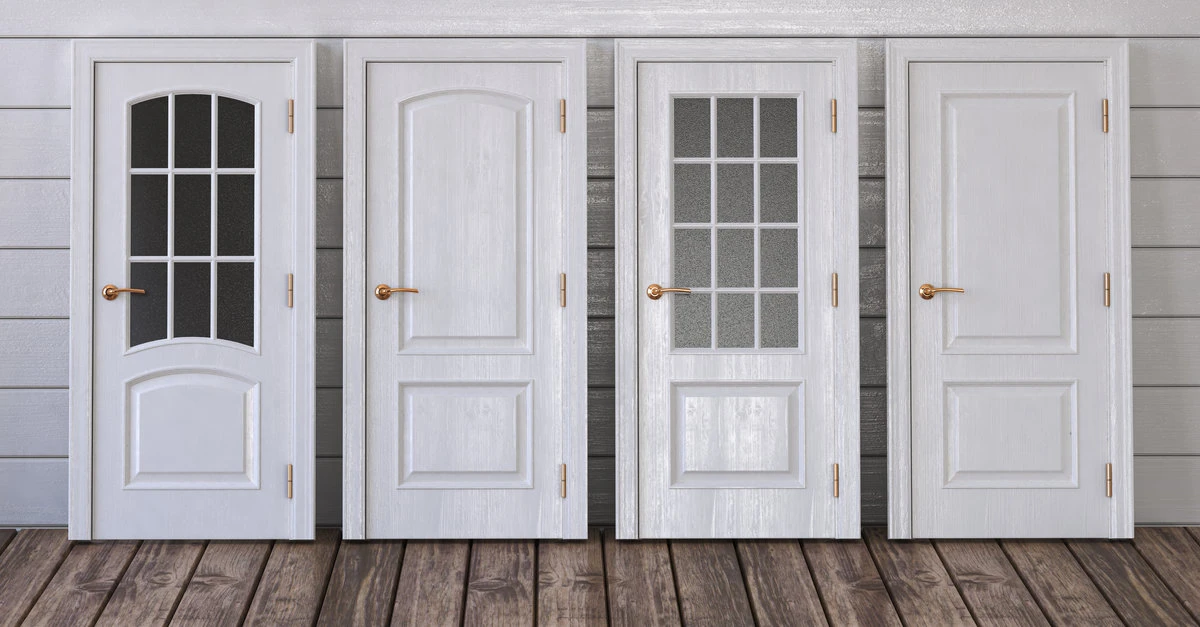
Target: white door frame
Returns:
[[629, 53], [572, 54], [1114, 54], [87, 53]]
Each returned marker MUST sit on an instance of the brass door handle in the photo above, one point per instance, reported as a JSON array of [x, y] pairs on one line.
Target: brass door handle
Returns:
[[927, 291], [655, 291], [383, 292], [110, 291]]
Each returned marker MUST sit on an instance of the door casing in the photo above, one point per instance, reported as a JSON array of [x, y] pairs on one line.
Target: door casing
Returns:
[[842, 54], [87, 53], [1113, 53]]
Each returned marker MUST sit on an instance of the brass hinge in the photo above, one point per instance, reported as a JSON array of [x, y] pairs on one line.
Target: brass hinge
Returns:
[[562, 289], [289, 481], [291, 289], [1104, 117], [562, 481], [833, 112], [1108, 480], [1107, 290], [562, 115], [836, 482], [835, 290], [291, 116]]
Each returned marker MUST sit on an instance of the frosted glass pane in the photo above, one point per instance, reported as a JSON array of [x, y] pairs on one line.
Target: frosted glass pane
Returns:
[[735, 192], [192, 300], [735, 127], [235, 302], [235, 214], [193, 131], [693, 320], [693, 192], [779, 321], [193, 214], [735, 258], [777, 258], [147, 312], [735, 321], [777, 121], [692, 122], [148, 133], [777, 192], [148, 214], [693, 260], [235, 133]]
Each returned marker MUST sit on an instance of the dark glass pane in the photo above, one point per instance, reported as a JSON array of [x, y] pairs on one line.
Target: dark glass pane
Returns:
[[235, 214], [735, 127], [148, 214], [693, 320], [779, 322], [777, 200], [692, 122], [148, 133], [735, 320], [193, 131], [147, 312], [777, 264], [193, 214], [192, 302], [235, 302], [235, 133], [777, 132], [693, 258], [735, 258], [735, 192], [693, 192]]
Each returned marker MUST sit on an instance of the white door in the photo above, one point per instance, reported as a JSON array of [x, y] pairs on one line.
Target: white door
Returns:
[[1011, 377], [194, 384], [466, 373], [736, 203]]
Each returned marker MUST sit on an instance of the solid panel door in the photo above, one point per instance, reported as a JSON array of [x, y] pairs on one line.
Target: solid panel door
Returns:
[[194, 373], [466, 373], [1011, 378], [736, 207]]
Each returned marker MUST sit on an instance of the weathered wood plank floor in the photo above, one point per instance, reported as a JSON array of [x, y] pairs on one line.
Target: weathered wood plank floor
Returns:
[[46, 580]]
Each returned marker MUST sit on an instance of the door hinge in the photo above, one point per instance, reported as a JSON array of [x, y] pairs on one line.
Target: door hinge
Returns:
[[837, 488], [562, 289], [835, 289], [1108, 480], [833, 114], [562, 481], [289, 481], [562, 115], [292, 116], [291, 289], [1104, 115], [1107, 290]]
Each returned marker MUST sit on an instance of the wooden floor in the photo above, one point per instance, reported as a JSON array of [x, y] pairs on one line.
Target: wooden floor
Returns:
[[1153, 580]]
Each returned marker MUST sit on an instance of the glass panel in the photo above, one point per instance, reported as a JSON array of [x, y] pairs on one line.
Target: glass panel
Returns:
[[692, 132], [735, 192], [735, 127], [735, 258], [693, 258], [193, 131], [148, 133], [235, 133], [148, 214], [235, 302], [693, 320], [779, 321], [693, 192], [777, 258], [777, 127], [735, 320], [147, 312], [192, 290], [193, 214], [235, 214], [777, 192]]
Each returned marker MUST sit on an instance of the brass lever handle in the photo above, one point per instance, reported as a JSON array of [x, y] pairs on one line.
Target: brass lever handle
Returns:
[[110, 291], [655, 291], [927, 291], [383, 292]]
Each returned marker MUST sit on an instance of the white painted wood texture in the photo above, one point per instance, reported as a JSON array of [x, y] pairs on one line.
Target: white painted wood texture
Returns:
[[36, 283], [35, 213], [35, 143]]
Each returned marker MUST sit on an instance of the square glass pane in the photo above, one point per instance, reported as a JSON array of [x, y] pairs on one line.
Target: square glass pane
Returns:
[[192, 300], [735, 192], [193, 214], [147, 312], [692, 132], [235, 214], [693, 258], [778, 265], [235, 133], [777, 200], [193, 131], [148, 214], [735, 320], [735, 127], [693, 319], [779, 321], [148, 133], [693, 192], [735, 258], [777, 127], [235, 302]]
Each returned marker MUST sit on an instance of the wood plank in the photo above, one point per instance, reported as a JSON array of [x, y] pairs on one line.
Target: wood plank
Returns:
[[329, 282], [601, 415], [709, 581], [601, 283], [329, 422], [1164, 281], [1175, 557], [329, 213], [872, 351], [874, 490], [872, 421], [872, 213], [991, 588], [601, 352], [602, 491], [293, 581], [36, 73], [1166, 351], [1166, 490], [6, 536], [362, 586], [1129, 584], [601, 146], [600, 68], [35, 213], [329, 144], [35, 143], [328, 352], [641, 589], [33, 423], [601, 213], [571, 582], [500, 584], [1166, 212], [849, 583], [780, 588], [872, 153], [1164, 421], [432, 581], [25, 567], [872, 283], [81, 586], [37, 283], [1162, 142], [920, 587], [153, 584], [870, 73], [1164, 72], [329, 492], [328, 72], [222, 584], [33, 353], [35, 491], [1063, 590]]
